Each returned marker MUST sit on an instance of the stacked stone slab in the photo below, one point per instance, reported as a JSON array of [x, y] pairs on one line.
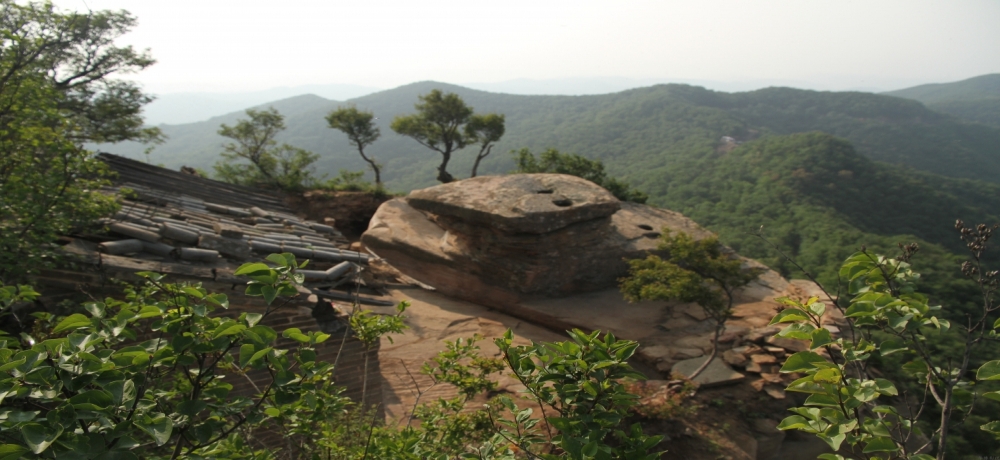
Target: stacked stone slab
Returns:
[[498, 239]]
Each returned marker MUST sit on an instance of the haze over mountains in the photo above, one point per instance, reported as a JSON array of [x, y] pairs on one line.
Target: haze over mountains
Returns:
[[180, 108], [822, 172], [976, 99], [651, 127]]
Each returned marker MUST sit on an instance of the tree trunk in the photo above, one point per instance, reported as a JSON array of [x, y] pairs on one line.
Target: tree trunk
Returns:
[[443, 175], [711, 356], [945, 415], [483, 153], [374, 166]]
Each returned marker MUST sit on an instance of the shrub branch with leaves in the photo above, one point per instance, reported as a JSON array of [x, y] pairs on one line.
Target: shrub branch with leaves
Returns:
[[872, 417], [146, 373]]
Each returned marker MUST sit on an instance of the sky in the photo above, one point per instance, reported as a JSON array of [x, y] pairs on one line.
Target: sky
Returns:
[[251, 45]]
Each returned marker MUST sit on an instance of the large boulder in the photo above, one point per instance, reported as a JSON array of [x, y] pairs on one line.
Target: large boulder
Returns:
[[499, 239]]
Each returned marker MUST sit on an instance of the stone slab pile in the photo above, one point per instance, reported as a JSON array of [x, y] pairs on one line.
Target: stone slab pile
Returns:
[[498, 239]]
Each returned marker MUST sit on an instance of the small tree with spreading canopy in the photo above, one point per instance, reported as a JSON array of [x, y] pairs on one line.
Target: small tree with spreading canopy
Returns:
[[554, 161], [486, 130], [438, 125], [361, 132], [697, 271], [270, 165], [58, 91]]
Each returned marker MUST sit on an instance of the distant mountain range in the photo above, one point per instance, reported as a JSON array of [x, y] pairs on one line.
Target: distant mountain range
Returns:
[[639, 133], [822, 172], [976, 99], [179, 108]]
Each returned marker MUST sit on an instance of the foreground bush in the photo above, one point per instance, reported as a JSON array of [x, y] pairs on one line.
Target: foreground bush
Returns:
[[143, 377]]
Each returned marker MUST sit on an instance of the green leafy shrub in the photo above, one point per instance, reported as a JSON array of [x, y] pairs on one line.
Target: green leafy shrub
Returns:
[[699, 271], [145, 373], [553, 161], [254, 157], [858, 412]]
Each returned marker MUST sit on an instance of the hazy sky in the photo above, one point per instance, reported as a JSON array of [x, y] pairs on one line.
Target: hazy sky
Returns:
[[246, 45]]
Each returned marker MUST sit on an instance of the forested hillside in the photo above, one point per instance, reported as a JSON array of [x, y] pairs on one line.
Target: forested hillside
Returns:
[[819, 200], [975, 99], [823, 172], [637, 133]]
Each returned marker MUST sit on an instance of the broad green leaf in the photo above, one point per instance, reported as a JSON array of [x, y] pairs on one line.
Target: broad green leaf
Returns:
[[251, 268], [994, 395], [816, 307], [122, 391], [822, 400], [269, 293], [99, 398], [820, 337], [891, 346], [39, 437], [806, 385], [12, 451], [74, 321], [159, 427], [218, 299], [790, 315], [989, 371], [295, 334], [11, 365], [149, 311], [228, 328], [880, 444], [280, 259], [253, 319], [246, 351], [193, 292], [801, 331], [16, 416], [886, 387], [831, 375], [834, 440], [867, 392], [96, 309], [860, 309], [257, 356], [802, 361], [992, 427]]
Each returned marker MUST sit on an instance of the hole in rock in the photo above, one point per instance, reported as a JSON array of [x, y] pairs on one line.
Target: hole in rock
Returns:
[[563, 202], [651, 234], [645, 227], [546, 191]]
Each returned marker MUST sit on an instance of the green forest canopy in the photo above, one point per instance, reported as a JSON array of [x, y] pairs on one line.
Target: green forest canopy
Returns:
[[975, 99], [823, 172], [636, 133]]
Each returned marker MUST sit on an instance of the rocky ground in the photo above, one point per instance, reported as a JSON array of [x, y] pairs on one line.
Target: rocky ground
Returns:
[[540, 254], [739, 401]]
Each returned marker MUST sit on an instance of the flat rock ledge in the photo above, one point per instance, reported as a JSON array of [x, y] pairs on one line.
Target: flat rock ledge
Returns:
[[518, 203], [496, 240]]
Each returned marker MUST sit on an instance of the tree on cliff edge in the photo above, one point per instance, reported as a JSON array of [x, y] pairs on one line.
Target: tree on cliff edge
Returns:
[[698, 271], [361, 132], [58, 91], [441, 124]]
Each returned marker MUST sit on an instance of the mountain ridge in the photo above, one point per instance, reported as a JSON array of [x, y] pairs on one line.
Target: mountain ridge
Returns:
[[643, 126], [974, 99]]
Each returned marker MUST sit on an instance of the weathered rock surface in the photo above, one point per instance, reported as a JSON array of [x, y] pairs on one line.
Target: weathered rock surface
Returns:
[[519, 203], [495, 240]]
